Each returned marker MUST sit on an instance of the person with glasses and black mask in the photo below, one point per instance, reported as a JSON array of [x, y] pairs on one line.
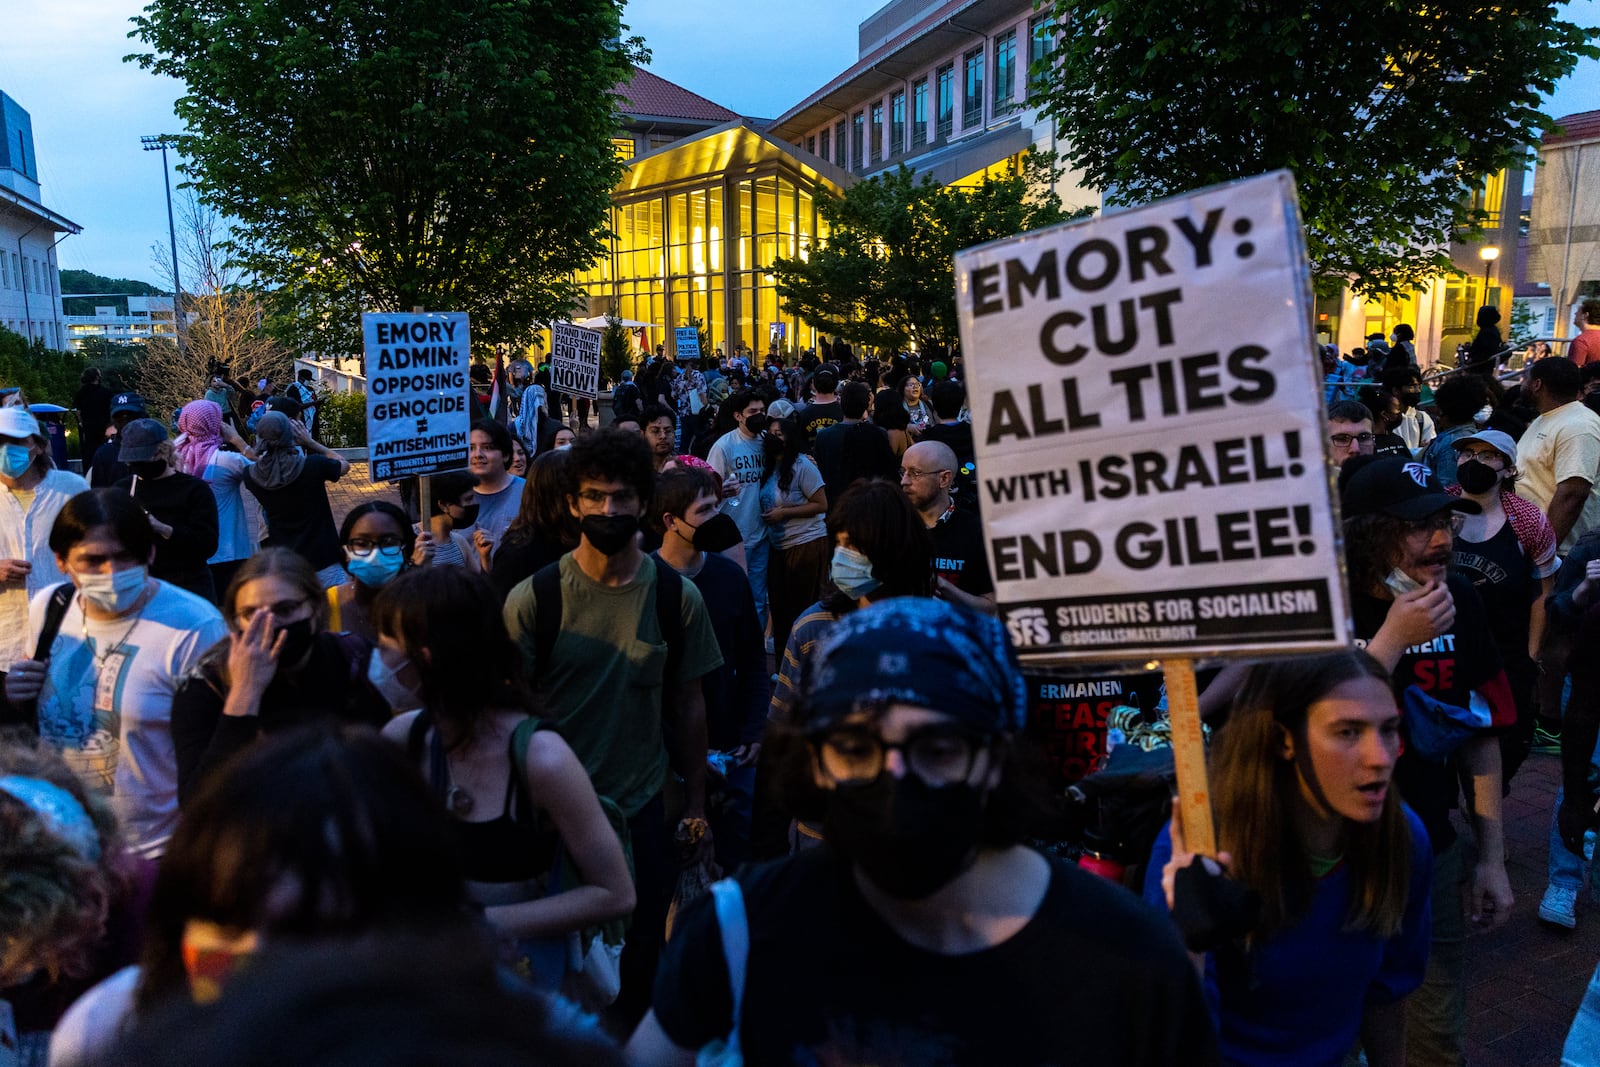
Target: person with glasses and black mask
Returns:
[[927, 931], [278, 668], [1427, 626]]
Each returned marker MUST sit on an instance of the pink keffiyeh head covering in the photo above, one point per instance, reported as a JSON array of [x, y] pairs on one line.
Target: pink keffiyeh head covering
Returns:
[[201, 421]]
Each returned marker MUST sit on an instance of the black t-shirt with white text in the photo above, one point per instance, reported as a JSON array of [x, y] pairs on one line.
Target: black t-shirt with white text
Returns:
[[1456, 668], [1503, 576], [1095, 977]]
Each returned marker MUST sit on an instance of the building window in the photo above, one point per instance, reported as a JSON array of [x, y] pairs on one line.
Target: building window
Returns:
[[1041, 42], [624, 147], [897, 123], [919, 113], [1005, 69], [972, 95], [826, 144], [811, 144], [947, 99], [858, 138], [839, 146], [877, 132]]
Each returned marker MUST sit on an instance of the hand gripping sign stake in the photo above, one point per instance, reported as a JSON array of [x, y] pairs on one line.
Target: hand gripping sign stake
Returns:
[[1193, 805]]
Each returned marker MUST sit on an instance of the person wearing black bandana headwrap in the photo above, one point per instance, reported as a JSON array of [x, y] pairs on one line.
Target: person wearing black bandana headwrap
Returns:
[[925, 932]]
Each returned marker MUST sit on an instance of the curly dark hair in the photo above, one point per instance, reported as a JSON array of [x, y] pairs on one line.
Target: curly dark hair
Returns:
[[1371, 549], [613, 456]]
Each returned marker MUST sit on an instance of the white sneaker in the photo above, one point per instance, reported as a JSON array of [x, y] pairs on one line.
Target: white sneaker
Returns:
[[1559, 907]]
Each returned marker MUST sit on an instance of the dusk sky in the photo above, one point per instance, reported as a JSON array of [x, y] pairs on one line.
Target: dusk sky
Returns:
[[62, 61]]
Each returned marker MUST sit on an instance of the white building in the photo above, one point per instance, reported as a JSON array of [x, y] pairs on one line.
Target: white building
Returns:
[[146, 317], [30, 281]]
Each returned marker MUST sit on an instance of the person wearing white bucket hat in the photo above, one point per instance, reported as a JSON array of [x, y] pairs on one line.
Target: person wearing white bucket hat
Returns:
[[32, 491]]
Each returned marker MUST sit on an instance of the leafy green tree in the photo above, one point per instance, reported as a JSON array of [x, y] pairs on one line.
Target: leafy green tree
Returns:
[[44, 375], [1391, 115], [615, 350], [387, 154], [885, 276]]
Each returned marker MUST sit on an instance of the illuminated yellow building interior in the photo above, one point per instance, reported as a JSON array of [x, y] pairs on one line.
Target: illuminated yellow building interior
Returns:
[[696, 225]]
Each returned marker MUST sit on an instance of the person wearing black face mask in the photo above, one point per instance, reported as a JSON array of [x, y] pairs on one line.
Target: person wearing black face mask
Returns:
[[182, 508], [925, 931], [1508, 551], [279, 668], [607, 660], [455, 508], [694, 534], [1416, 427]]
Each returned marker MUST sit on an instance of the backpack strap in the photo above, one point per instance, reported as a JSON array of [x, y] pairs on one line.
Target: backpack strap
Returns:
[[517, 803], [669, 615], [335, 619], [547, 613]]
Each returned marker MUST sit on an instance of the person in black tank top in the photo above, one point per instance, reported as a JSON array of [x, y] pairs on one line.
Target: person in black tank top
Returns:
[[540, 853]]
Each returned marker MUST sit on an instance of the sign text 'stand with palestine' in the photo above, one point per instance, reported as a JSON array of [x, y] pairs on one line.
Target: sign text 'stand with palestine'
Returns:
[[1147, 415], [574, 359], [418, 419]]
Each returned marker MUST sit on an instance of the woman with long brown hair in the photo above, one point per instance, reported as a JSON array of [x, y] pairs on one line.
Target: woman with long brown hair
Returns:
[[1307, 817]]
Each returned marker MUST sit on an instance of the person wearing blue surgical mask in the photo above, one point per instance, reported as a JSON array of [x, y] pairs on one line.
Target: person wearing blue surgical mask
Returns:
[[378, 544], [32, 493], [124, 642]]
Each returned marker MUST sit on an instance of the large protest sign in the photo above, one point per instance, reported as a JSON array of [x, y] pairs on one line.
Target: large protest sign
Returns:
[[417, 413], [1146, 406], [575, 359], [687, 340]]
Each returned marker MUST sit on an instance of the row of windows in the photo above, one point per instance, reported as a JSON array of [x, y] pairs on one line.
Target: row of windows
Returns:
[[869, 143], [48, 332], [26, 273]]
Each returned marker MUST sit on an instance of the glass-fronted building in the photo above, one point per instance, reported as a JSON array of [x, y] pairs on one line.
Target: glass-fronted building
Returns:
[[698, 223]]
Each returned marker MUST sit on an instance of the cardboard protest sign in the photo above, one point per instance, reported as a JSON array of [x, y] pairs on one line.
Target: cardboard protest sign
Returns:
[[574, 359], [418, 418], [1147, 418], [688, 342]]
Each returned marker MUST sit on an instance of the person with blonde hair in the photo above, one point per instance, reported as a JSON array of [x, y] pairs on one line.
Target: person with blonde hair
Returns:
[[1307, 817]]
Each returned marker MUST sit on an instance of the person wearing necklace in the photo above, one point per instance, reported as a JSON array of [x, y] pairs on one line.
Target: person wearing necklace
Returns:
[[540, 853], [125, 642], [1308, 818]]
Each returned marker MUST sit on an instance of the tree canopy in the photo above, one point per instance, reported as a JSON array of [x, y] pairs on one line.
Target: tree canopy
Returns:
[[1391, 115], [885, 275], [388, 154]]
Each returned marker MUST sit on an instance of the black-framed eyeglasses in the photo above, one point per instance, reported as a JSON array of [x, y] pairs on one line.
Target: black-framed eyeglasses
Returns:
[[367, 544], [1444, 520], [939, 755], [1344, 440]]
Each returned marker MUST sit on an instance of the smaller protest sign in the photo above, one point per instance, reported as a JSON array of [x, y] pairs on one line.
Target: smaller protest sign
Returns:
[[688, 339], [574, 359], [418, 419]]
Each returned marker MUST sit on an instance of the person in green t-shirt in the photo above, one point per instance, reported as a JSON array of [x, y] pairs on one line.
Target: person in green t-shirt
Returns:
[[608, 670]]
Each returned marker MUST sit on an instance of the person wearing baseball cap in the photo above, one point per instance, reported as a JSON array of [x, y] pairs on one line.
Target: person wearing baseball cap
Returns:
[[928, 922], [105, 468], [1508, 552], [1427, 626], [32, 491], [181, 507]]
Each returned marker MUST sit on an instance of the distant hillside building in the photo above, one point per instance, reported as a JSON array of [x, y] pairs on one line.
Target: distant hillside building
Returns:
[[122, 320], [30, 282]]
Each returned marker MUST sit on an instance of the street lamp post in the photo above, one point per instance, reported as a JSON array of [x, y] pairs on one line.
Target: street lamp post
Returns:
[[1488, 253], [160, 143]]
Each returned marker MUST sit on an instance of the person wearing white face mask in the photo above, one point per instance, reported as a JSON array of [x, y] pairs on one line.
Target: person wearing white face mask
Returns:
[[123, 644], [32, 493]]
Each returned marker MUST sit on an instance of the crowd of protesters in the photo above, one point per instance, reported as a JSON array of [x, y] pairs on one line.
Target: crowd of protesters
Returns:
[[450, 777]]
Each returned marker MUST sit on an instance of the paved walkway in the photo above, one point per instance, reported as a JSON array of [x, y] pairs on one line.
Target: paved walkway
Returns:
[[1525, 979]]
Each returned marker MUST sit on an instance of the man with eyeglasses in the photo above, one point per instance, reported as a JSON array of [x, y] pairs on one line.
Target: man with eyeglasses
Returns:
[[927, 472], [1349, 430], [928, 932], [1428, 628], [606, 661]]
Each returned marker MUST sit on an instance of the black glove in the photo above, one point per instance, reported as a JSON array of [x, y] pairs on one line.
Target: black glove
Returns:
[[1210, 908]]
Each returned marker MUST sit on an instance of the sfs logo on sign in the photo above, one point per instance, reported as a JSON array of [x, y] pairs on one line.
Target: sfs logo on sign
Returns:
[[1028, 627]]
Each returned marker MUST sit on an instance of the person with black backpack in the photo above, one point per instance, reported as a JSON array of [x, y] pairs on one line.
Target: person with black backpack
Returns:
[[626, 399], [612, 639]]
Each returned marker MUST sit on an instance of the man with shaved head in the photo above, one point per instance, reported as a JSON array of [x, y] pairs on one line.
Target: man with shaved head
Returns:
[[927, 471]]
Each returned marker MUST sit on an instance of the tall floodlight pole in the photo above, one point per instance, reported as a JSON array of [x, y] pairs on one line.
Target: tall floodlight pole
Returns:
[[160, 143]]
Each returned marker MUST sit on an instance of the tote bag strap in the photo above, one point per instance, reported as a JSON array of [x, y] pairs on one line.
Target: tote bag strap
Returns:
[[735, 928]]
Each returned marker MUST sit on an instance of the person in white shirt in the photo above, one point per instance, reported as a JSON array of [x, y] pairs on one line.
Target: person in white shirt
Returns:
[[32, 492], [124, 643]]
